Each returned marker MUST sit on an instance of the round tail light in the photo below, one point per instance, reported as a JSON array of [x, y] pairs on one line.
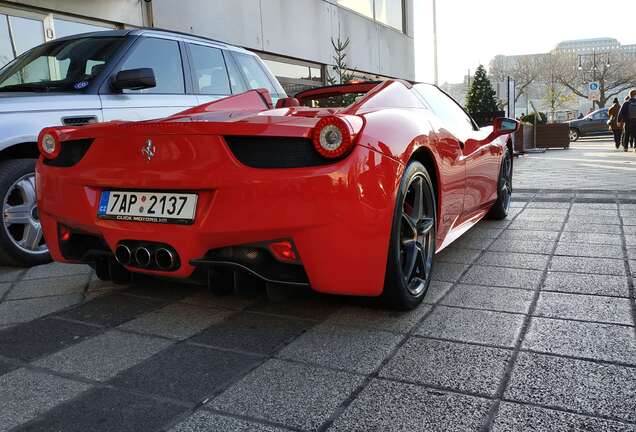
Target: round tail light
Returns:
[[49, 143], [332, 137]]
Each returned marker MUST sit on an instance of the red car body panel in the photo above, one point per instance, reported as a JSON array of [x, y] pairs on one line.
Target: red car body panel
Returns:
[[339, 215]]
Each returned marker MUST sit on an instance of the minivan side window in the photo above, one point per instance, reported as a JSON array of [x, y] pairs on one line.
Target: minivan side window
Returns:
[[236, 79], [164, 57], [210, 74], [254, 73]]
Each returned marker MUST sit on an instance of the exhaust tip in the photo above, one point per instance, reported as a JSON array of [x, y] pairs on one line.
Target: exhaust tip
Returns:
[[142, 256], [165, 259], [123, 254]]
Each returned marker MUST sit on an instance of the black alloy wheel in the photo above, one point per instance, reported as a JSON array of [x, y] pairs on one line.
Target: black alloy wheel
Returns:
[[412, 247], [499, 209]]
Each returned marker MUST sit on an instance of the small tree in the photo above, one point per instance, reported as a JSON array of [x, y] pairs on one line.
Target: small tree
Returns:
[[481, 96], [342, 74]]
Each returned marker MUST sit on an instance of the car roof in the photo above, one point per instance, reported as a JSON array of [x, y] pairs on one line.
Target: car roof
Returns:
[[161, 33]]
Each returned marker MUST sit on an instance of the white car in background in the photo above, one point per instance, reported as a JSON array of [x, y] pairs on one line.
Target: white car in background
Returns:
[[102, 76]]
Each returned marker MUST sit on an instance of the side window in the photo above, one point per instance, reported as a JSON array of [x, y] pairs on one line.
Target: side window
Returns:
[[164, 57], [208, 67], [236, 80], [254, 73], [601, 115], [453, 116]]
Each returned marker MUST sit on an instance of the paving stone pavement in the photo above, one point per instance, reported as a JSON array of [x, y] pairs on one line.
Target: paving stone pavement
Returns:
[[528, 325]]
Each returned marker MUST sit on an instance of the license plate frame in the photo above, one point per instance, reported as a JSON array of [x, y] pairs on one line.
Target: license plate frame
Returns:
[[106, 210]]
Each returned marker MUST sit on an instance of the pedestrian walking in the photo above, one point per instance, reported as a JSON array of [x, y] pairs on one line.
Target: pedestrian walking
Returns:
[[627, 118], [632, 139], [613, 122]]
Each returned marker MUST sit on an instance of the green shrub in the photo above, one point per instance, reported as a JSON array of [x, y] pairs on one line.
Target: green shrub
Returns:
[[529, 118]]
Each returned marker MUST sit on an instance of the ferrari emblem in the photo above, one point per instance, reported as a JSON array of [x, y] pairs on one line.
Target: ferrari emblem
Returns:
[[148, 150]]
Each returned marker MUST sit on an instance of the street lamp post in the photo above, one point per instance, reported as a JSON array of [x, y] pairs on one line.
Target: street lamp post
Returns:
[[435, 66], [594, 67]]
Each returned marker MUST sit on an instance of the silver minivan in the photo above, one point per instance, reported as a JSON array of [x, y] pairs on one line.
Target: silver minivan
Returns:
[[93, 77]]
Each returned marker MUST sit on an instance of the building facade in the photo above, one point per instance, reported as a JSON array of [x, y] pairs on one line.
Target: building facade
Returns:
[[294, 37]]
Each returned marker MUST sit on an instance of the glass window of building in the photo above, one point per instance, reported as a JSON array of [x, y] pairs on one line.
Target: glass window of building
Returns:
[[65, 28], [6, 50], [26, 33], [294, 75], [287, 70], [364, 7], [389, 12]]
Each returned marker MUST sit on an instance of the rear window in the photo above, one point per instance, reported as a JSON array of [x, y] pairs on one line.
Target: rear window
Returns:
[[255, 75]]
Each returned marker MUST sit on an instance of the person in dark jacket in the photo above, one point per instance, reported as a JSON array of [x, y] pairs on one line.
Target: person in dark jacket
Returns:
[[627, 117], [613, 122]]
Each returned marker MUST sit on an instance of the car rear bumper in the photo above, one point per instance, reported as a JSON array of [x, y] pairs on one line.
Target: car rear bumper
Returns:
[[338, 216]]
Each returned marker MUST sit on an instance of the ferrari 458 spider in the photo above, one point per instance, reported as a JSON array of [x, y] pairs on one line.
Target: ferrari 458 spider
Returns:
[[352, 200]]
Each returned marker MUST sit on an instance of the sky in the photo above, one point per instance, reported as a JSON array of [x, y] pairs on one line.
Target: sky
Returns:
[[470, 32]]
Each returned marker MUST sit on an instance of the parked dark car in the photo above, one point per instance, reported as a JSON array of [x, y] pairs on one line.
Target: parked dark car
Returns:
[[593, 124]]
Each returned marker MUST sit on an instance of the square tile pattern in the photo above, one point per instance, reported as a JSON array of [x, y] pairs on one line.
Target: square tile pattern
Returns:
[[527, 325]]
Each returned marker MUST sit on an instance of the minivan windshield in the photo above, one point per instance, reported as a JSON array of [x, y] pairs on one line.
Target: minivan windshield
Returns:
[[66, 65]]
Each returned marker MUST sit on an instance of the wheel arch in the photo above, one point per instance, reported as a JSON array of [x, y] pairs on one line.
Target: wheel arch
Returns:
[[24, 150], [425, 156]]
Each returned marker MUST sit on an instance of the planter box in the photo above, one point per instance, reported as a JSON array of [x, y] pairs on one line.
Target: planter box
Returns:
[[553, 135], [517, 140]]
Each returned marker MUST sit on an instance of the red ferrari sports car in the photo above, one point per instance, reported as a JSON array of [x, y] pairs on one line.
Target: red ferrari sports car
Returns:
[[352, 200]]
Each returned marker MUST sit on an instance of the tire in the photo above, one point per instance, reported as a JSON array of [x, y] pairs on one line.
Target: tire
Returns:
[[21, 242], [499, 209], [574, 135], [412, 244]]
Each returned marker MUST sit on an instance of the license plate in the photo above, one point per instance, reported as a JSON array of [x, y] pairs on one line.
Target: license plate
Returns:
[[153, 207]]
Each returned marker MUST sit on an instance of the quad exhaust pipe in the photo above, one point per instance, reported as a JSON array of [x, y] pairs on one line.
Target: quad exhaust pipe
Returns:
[[164, 259], [142, 257], [147, 256], [123, 255]]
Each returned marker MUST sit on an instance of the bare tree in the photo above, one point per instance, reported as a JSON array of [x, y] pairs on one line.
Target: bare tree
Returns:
[[525, 70], [557, 95], [613, 78]]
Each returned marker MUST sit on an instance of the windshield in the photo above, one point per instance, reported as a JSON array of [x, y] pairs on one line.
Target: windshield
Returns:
[[66, 65]]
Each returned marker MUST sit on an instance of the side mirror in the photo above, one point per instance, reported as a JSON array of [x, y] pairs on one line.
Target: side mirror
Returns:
[[504, 126], [134, 79], [287, 102]]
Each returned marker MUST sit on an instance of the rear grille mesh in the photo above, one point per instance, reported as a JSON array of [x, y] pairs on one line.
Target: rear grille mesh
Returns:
[[72, 152], [274, 152]]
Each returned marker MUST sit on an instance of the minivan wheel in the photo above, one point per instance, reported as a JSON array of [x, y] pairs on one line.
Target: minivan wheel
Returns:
[[574, 135], [21, 239]]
